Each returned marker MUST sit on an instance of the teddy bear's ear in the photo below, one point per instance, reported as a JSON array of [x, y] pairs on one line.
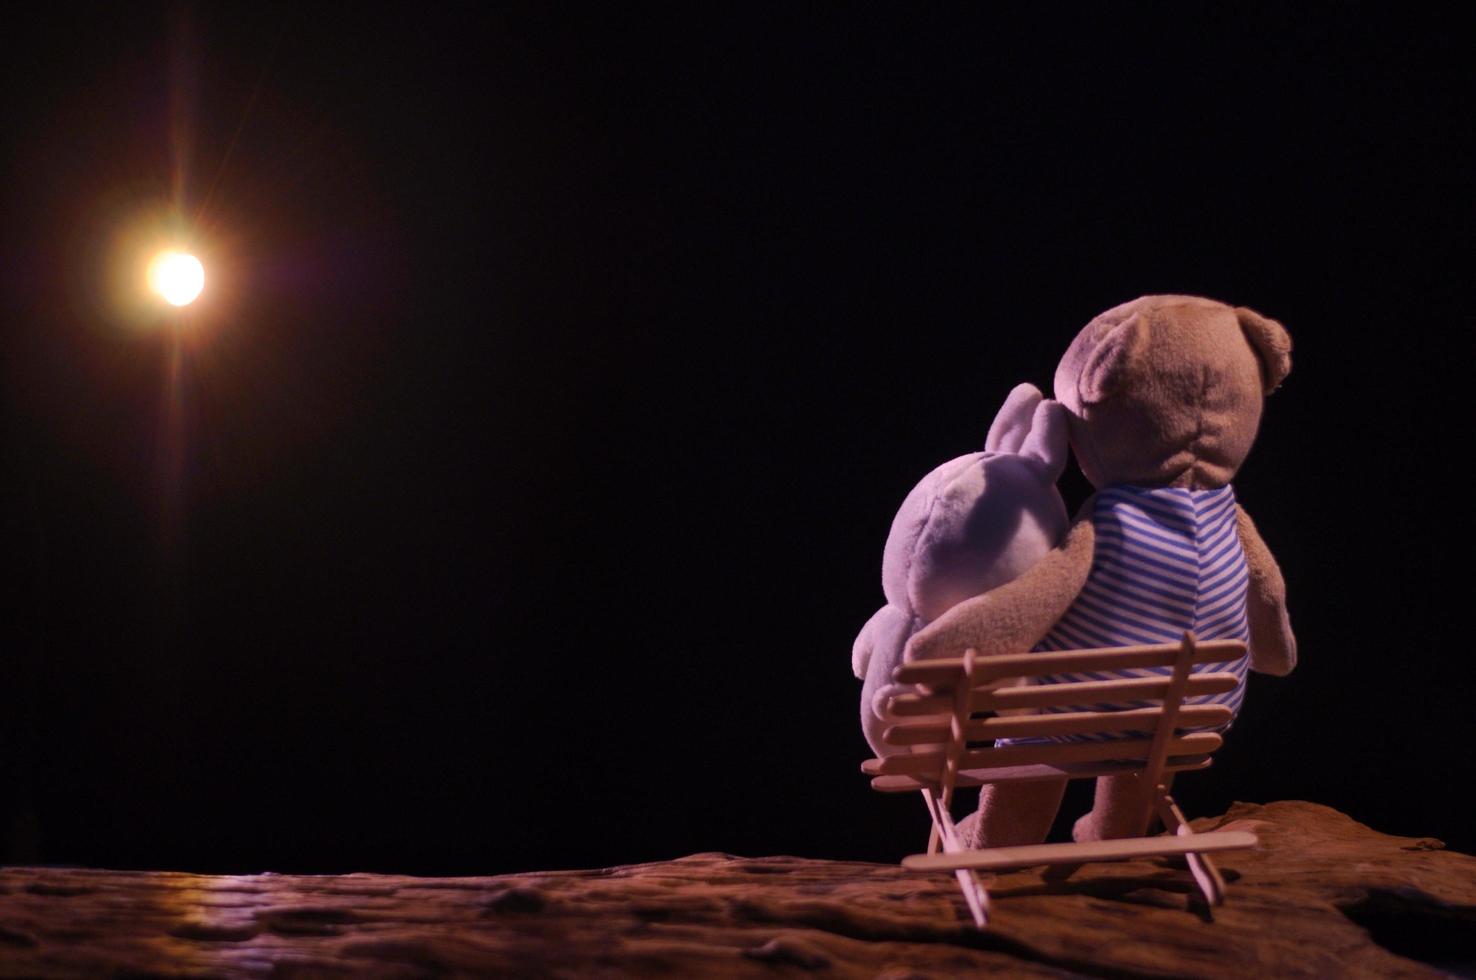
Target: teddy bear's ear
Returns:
[[1272, 344], [1111, 359]]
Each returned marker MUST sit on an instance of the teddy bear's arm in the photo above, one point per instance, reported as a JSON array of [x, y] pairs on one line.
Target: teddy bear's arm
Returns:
[[1273, 648], [1013, 617]]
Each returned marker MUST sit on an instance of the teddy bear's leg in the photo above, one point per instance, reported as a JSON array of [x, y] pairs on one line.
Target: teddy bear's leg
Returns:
[[1013, 813], [1116, 812]]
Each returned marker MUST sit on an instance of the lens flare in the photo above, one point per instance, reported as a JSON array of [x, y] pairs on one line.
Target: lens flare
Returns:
[[177, 276]]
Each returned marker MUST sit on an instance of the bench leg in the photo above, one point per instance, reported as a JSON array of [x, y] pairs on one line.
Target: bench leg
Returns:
[[976, 896], [1206, 875]]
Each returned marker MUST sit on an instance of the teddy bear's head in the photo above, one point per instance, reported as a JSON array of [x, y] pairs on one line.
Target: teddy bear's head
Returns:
[[1166, 391]]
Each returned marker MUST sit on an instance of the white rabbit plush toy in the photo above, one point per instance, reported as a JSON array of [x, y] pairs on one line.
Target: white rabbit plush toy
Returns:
[[971, 525]]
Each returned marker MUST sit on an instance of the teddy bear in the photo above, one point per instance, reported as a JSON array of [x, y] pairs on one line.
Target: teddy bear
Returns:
[[970, 525], [1163, 397]]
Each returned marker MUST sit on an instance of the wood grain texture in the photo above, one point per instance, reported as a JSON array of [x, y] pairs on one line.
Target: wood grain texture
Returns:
[[1294, 908]]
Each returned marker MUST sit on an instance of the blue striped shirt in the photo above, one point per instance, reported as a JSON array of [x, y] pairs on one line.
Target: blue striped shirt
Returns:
[[1166, 560]]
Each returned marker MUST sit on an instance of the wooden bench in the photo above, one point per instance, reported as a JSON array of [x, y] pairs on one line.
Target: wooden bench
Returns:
[[941, 719]]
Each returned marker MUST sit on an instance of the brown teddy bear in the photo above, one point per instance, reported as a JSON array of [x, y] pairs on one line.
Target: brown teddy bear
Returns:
[[1164, 397]]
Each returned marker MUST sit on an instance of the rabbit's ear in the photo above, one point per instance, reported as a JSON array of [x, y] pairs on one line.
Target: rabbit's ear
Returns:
[[1048, 441], [1012, 424]]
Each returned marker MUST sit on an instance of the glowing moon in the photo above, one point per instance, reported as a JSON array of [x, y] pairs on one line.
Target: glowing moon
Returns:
[[177, 276]]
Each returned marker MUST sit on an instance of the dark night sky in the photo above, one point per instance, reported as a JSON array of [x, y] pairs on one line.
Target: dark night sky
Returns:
[[561, 374]]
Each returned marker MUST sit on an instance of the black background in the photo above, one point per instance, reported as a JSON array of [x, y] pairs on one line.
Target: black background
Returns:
[[561, 373]]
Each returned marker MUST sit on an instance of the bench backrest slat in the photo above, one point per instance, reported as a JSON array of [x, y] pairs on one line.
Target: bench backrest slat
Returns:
[[1065, 723], [1054, 754], [935, 722], [1072, 695], [1103, 660]]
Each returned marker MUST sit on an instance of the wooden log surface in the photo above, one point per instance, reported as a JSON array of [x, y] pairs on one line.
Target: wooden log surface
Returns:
[[1320, 896]]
